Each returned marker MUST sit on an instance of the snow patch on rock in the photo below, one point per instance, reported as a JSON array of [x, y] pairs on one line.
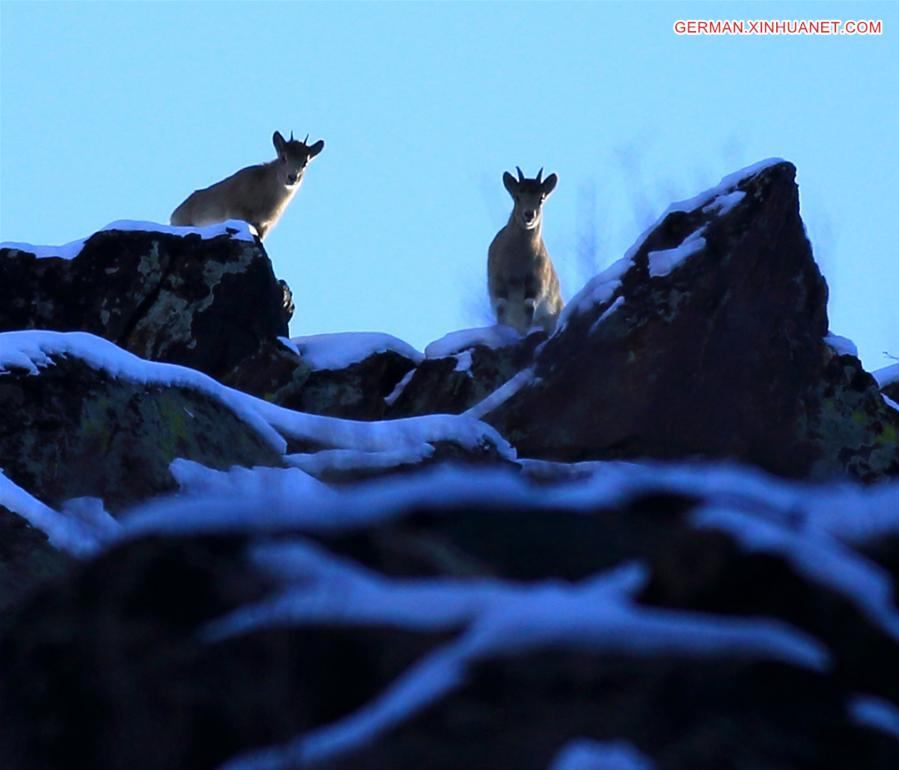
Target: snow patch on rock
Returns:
[[342, 349]]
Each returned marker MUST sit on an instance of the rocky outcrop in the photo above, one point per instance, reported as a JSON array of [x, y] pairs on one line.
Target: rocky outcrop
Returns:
[[355, 391], [707, 617], [706, 341], [374, 593], [27, 560], [75, 430], [461, 370], [888, 381], [206, 300]]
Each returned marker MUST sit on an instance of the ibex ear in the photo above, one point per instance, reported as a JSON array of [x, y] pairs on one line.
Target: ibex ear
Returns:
[[315, 149], [510, 183], [278, 141], [549, 184]]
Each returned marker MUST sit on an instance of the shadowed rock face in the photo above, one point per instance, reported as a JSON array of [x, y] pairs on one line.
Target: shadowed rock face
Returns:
[[72, 431], [721, 357], [203, 303], [355, 392], [112, 662], [454, 383]]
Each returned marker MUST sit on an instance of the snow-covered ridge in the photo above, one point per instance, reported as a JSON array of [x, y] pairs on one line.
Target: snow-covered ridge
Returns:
[[359, 442], [65, 531], [498, 336], [719, 199], [342, 349], [233, 228], [501, 618], [886, 376], [585, 754], [34, 350], [843, 346]]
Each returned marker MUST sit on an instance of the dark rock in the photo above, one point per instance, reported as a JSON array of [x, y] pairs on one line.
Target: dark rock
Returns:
[[74, 431], [520, 712], [455, 382], [115, 663], [110, 663], [204, 303], [355, 391], [721, 357], [287, 305], [888, 380], [26, 560], [274, 372]]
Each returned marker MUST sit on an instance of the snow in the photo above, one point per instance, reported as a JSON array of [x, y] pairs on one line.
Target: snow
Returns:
[[337, 433], [342, 349], [78, 531], [816, 555], [288, 343], [834, 514], [260, 484], [586, 754], [498, 336], [463, 362], [234, 228], [606, 313], [889, 402], [233, 506], [842, 345], [663, 262], [602, 287], [887, 376], [878, 713], [66, 251], [394, 394], [33, 350], [598, 289], [724, 203], [502, 394], [352, 460], [596, 615]]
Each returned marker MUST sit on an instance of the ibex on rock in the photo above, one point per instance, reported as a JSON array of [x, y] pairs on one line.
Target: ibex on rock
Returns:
[[256, 194], [521, 279]]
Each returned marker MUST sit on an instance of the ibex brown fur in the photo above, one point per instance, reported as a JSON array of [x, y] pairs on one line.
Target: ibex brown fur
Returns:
[[256, 194], [521, 279]]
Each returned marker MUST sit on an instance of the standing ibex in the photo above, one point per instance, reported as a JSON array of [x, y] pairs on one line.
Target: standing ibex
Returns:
[[255, 194], [523, 285]]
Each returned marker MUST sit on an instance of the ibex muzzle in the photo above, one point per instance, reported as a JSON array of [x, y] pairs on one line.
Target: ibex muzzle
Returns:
[[256, 194], [521, 279]]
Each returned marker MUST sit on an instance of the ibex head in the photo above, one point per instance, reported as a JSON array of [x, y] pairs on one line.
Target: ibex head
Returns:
[[529, 195], [293, 157]]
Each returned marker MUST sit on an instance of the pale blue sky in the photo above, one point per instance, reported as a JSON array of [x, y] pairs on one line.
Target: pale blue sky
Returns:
[[118, 111]]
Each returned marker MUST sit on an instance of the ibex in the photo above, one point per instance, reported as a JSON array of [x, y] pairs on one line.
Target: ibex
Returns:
[[521, 279], [256, 194]]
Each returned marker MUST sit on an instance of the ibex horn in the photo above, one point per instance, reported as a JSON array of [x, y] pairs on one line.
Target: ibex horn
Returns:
[[306, 140], [520, 175], [291, 136], [540, 176]]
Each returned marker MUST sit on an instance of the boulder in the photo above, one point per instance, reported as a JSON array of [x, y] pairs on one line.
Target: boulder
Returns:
[[706, 340], [201, 297], [345, 375], [461, 370], [26, 560], [72, 425]]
